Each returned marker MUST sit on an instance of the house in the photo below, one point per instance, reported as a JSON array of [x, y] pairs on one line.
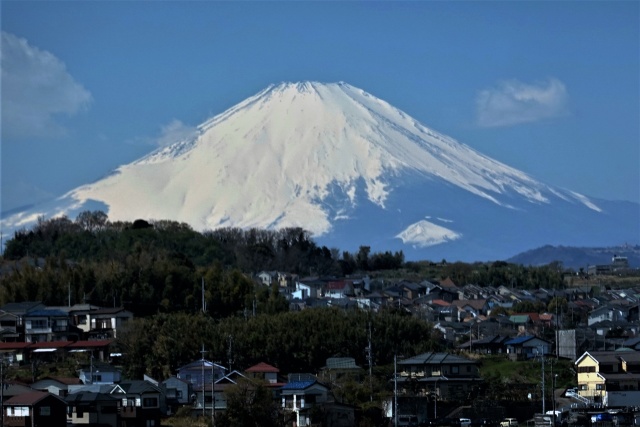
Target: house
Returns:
[[608, 312], [494, 344], [13, 318], [449, 376], [93, 409], [57, 386], [299, 396], [9, 331], [35, 409], [339, 367], [140, 403], [264, 372], [201, 371], [178, 392], [527, 347], [338, 289], [105, 322], [603, 372], [48, 325], [100, 373], [306, 289], [473, 308]]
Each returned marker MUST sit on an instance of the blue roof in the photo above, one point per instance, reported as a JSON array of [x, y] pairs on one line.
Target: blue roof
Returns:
[[520, 340], [47, 313], [297, 385]]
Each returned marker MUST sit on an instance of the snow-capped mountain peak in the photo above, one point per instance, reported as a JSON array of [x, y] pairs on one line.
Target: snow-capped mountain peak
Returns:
[[314, 155]]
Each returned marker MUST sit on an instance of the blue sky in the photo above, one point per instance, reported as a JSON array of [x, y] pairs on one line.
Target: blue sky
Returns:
[[550, 88]]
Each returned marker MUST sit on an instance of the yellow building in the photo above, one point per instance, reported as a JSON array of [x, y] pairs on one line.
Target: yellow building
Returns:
[[600, 372]]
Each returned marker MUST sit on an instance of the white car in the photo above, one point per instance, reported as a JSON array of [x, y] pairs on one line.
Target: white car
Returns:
[[571, 392]]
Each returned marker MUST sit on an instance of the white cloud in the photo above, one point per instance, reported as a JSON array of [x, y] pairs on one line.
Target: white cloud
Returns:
[[36, 87], [174, 131], [513, 102]]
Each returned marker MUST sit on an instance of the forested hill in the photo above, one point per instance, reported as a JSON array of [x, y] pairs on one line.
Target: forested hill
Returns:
[[159, 266]]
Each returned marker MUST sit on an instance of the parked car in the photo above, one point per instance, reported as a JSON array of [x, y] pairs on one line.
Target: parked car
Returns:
[[465, 422], [571, 392]]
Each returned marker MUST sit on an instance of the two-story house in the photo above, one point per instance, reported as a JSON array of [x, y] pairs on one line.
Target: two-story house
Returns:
[[448, 376], [93, 409], [105, 322], [48, 325], [299, 396], [608, 372], [35, 408], [140, 403]]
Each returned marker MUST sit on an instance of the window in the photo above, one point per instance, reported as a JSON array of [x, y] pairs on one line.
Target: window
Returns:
[[45, 411], [586, 369], [19, 411], [600, 387], [455, 370]]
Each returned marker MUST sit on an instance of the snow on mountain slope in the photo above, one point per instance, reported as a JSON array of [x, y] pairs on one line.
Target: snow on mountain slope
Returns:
[[269, 160], [314, 155]]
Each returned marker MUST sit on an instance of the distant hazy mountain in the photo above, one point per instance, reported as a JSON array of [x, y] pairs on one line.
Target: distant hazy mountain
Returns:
[[354, 171], [576, 258]]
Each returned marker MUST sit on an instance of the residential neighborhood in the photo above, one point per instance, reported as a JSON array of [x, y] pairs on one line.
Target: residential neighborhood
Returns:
[[595, 329]]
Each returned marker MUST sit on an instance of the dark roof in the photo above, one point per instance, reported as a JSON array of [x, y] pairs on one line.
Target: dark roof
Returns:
[[107, 311], [20, 307], [89, 396], [138, 387], [47, 313], [431, 358]]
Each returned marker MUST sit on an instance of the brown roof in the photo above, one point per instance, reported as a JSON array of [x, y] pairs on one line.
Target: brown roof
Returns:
[[447, 283], [30, 398], [477, 304], [64, 380], [263, 367]]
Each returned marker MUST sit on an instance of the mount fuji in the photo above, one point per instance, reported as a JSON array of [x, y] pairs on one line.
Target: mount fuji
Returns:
[[353, 170]]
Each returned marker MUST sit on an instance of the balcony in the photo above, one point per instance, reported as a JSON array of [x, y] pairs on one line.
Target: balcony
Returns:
[[43, 330]]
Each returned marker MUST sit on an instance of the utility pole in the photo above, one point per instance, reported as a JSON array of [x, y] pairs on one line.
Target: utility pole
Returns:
[[543, 396], [395, 390], [203, 382], [370, 360]]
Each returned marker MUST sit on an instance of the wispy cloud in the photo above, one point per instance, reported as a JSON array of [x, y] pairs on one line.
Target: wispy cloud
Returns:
[[174, 131], [36, 87], [513, 102]]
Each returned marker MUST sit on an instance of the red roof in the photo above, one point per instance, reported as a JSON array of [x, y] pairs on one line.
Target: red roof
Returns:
[[50, 344], [14, 345], [336, 285], [86, 344], [440, 302], [263, 367]]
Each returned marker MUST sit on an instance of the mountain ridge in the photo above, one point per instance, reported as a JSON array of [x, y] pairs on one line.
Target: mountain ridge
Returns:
[[320, 156]]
